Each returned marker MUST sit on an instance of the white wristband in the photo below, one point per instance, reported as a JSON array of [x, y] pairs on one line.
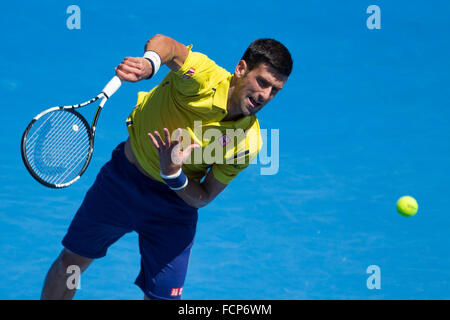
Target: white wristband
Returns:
[[176, 181], [154, 58], [172, 176]]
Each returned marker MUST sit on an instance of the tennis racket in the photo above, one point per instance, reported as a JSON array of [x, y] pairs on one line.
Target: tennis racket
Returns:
[[58, 143]]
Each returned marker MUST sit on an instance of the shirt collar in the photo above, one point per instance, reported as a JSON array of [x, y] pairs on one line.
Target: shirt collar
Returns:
[[220, 100]]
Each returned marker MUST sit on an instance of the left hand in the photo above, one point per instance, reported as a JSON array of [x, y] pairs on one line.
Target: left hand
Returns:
[[171, 157]]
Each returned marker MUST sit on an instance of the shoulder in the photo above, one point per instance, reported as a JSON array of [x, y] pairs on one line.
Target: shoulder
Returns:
[[198, 74]]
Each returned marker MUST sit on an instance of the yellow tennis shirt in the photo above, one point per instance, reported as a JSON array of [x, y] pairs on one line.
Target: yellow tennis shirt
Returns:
[[194, 98]]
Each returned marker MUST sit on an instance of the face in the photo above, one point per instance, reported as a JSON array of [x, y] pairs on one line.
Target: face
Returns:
[[257, 87]]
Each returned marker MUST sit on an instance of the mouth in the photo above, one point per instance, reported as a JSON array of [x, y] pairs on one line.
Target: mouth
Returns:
[[253, 103]]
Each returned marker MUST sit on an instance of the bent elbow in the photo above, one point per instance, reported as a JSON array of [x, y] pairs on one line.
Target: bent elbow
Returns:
[[156, 38]]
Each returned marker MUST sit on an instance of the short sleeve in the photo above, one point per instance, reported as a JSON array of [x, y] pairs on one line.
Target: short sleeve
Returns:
[[244, 154], [225, 173], [198, 76]]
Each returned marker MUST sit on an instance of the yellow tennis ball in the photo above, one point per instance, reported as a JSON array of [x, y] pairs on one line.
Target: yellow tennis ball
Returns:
[[407, 206]]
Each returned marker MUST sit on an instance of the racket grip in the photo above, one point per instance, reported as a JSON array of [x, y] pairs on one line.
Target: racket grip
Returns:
[[112, 86]]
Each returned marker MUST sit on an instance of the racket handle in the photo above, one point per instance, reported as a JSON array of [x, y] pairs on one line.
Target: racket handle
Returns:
[[112, 86]]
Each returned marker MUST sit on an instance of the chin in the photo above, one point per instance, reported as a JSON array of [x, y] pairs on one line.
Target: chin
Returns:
[[247, 111]]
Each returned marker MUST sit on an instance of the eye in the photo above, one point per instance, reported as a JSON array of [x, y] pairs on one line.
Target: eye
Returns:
[[262, 82]]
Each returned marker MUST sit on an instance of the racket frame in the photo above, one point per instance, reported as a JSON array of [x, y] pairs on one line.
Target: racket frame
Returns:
[[111, 87], [90, 131]]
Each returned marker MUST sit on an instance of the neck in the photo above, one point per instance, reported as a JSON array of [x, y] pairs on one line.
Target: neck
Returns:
[[233, 104]]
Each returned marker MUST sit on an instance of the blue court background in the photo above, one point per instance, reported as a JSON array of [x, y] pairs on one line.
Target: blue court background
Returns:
[[362, 120]]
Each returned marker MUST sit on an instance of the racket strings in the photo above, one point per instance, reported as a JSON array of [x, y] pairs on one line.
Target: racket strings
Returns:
[[56, 162], [38, 133], [58, 147], [78, 159], [44, 148], [31, 139], [55, 150]]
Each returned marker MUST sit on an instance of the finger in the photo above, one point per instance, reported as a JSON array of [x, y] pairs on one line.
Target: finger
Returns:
[[153, 140], [121, 68], [140, 64], [166, 137], [129, 69], [126, 76], [188, 150], [176, 154], [178, 135], [175, 146], [147, 63], [159, 140], [133, 63], [132, 59]]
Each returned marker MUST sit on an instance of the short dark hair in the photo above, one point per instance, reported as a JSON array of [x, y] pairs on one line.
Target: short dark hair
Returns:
[[269, 51]]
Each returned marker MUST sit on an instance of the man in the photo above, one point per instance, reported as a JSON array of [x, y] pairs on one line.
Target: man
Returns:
[[155, 181]]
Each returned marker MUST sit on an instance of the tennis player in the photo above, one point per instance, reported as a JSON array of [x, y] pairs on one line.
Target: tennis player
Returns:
[[156, 181]]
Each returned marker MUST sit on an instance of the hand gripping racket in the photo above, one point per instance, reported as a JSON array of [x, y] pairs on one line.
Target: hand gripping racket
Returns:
[[58, 143]]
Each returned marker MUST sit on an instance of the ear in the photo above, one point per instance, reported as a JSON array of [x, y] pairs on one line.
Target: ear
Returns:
[[241, 69]]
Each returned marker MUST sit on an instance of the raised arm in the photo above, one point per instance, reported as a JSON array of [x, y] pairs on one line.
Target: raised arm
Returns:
[[172, 54]]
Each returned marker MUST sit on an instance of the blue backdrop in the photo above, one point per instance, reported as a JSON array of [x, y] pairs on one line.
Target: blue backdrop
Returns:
[[362, 121]]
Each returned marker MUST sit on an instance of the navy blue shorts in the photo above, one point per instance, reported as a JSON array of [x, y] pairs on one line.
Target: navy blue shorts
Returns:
[[122, 200]]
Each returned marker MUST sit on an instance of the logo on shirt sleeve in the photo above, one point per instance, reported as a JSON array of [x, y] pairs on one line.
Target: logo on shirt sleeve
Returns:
[[188, 73], [224, 140]]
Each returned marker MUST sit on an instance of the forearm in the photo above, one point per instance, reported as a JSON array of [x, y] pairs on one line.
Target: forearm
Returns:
[[195, 194], [172, 53]]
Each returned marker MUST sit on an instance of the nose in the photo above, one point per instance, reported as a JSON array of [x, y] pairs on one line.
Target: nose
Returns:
[[265, 94]]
